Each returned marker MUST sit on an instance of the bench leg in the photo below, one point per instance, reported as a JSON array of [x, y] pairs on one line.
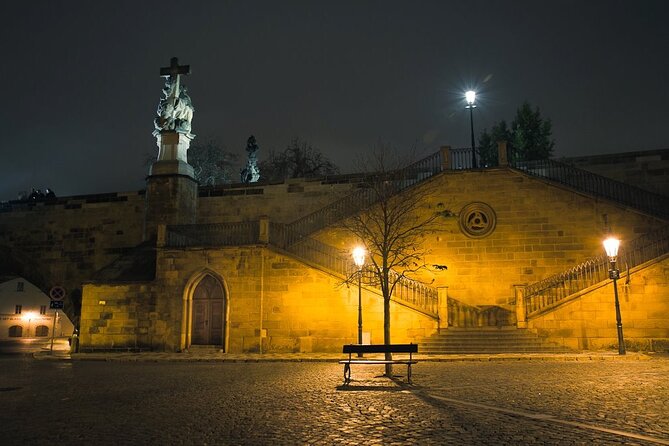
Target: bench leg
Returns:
[[347, 373], [409, 373]]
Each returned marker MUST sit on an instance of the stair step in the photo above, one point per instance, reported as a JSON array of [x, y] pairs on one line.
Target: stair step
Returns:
[[490, 340]]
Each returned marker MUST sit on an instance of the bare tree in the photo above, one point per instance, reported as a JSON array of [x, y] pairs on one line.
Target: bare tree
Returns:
[[392, 228], [299, 160], [212, 164]]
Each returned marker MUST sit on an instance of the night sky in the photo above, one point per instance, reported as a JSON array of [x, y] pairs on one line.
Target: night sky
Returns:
[[81, 79]]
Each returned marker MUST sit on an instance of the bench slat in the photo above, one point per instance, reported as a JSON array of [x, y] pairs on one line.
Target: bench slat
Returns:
[[376, 361], [380, 348]]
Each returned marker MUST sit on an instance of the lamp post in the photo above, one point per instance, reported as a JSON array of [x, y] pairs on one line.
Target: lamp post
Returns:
[[359, 260], [470, 97], [611, 246]]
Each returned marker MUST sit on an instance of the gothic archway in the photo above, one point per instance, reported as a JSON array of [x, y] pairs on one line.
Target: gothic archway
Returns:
[[205, 311]]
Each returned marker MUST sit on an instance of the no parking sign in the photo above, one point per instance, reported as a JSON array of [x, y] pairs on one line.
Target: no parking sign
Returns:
[[57, 293]]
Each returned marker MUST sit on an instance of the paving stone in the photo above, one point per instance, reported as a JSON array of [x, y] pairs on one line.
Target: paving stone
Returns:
[[286, 403]]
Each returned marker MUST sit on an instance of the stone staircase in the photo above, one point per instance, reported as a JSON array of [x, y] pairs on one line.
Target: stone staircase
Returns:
[[597, 185], [205, 349], [487, 340]]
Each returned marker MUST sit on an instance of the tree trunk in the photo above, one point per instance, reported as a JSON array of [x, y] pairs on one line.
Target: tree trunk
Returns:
[[386, 334]]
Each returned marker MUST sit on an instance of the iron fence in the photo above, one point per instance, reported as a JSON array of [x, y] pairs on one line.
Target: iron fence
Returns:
[[461, 159]]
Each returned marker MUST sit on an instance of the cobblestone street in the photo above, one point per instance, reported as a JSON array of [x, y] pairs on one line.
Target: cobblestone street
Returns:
[[463, 403]]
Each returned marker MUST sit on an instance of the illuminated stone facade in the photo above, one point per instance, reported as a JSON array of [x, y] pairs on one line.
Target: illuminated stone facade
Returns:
[[499, 228], [303, 308]]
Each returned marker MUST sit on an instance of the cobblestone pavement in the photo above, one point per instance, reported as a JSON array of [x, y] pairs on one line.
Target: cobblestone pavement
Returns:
[[460, 403]]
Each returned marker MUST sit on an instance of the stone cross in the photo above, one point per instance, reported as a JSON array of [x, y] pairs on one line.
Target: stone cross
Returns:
[[173, 72]]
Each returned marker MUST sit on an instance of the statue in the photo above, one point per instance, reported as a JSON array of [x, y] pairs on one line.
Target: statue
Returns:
[[36, 195], [175, 110], [251, 173]]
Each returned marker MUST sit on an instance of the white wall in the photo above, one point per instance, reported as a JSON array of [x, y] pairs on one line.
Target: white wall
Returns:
[[31, 299]]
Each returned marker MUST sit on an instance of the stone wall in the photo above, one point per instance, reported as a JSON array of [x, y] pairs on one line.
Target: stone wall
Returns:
[[171, 200], [302, 308], [589, 322], [541, 229], [119, 316], [64, 241], [283, 202]]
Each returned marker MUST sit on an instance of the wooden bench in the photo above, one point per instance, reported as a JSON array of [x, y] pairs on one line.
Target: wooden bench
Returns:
[[377, 348]]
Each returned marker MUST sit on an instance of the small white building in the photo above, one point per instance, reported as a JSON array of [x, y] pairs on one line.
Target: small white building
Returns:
[[25, 312]]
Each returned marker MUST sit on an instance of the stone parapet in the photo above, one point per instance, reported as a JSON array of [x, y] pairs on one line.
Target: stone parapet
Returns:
[[589, 322]]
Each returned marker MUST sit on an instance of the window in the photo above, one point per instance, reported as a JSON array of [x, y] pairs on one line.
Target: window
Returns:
[[42, 309], [15, 331], [41, 331], [17, 309], [19, 286]]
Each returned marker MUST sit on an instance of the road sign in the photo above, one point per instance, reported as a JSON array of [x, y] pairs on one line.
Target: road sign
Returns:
[[57, 304], [57, 293]]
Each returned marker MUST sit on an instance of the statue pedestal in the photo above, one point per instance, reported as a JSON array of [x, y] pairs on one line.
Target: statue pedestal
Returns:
[[171, 167], [173, 146], [171, 188], [172, 155]]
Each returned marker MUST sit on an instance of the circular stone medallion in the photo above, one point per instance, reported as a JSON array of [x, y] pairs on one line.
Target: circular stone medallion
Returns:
[[477, 220]]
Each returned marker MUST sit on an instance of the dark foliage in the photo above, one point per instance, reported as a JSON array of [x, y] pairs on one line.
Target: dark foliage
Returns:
[[299, 160]]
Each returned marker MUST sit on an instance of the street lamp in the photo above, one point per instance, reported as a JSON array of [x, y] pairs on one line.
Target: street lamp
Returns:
[[28, 316], [470, 97], [611, 246], [359, 260]]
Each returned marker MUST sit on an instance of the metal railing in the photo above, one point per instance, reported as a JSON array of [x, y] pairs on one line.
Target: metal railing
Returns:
[[579, 179], [364, 197], [462, 315], [461, 159], [316, 252], [219, 234], [557, 288], [591, 183]]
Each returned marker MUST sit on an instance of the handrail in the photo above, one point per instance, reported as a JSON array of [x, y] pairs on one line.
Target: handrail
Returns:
[[559, 287], [461, 159], [407, 290], [591, 183], [462, 315], [360, 199]]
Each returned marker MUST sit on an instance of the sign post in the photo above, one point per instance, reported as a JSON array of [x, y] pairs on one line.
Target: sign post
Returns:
[[53, 329], [56, 293]]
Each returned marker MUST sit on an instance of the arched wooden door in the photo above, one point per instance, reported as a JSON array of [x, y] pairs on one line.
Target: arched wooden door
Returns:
[[208, 313]]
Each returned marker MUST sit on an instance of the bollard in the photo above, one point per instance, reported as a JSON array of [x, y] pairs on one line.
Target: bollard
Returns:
[[74, 342]]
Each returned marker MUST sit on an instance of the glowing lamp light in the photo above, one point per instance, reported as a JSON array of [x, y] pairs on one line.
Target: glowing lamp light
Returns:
[[359, 254], [28, 315], [611, 246], [470, 97]]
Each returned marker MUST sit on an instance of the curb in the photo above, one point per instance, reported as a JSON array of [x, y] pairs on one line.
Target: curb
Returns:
[[222, 358]]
